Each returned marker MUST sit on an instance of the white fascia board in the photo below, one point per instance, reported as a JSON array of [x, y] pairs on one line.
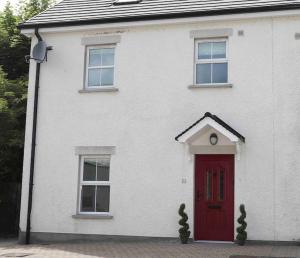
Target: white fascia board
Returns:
[[207, 122], [123, 25], [27, 32]]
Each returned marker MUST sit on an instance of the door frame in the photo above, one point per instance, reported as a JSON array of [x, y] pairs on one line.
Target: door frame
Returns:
[[194, 196]]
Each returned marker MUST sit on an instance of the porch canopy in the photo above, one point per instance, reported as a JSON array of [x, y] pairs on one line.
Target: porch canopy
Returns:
[[198, 136]]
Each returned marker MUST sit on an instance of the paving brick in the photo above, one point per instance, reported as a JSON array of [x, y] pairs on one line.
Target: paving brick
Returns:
[[146, 250]]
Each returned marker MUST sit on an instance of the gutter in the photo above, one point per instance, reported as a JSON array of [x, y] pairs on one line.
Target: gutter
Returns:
[[27, 25], [33, 143]]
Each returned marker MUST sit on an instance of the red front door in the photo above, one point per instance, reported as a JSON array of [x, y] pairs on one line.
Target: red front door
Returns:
[[214, 197]]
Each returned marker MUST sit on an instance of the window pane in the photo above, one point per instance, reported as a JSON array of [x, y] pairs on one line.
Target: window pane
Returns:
[[208, 185], [220, 73], [221, 185], [102, 200], [204, 50], [95, 57], [107, 76], [203, 73], [103, 170], [219, 50], [94, 77], [88, 198], [89, 170], [108, 56]]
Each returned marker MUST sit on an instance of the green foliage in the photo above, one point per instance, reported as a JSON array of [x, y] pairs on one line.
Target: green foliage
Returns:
[[13, 85], [12, 123], [241, 230], [184, 232], [30, 8], [13, 45], [9, 21]]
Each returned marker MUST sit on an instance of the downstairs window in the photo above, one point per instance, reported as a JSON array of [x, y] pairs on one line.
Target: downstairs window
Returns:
[[95, 184]]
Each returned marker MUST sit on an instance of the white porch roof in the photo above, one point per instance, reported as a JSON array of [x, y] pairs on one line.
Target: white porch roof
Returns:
[[206, 123]]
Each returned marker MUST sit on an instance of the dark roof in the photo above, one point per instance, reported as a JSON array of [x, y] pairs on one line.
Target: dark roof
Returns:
[[219, 121], [80, 12]]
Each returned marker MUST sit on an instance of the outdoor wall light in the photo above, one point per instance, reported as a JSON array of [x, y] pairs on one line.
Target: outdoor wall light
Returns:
[[213, 139]]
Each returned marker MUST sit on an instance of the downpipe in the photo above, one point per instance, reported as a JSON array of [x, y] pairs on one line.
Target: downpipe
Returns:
[[33, 143]]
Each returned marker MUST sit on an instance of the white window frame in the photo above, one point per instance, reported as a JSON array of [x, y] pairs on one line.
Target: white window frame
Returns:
[[119, 2], [210, 61], [93, 183], [87, 67]]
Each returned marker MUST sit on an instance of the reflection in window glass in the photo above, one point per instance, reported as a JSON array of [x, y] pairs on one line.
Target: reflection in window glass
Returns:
[[95, 57], [100, 68], [203, 73], [108, 55], [89, 170], [102, 199], [209, 185], [221, 186], [107, 76], [103, 170], [211, 63], [94, 77], [219, 74], [95, 185], [88, 198], [218, 50], [204, 50]]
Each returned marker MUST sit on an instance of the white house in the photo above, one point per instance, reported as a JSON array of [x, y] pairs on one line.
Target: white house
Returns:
[[144, 105]]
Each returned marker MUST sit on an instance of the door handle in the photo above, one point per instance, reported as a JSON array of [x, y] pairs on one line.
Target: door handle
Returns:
[[214, 206]]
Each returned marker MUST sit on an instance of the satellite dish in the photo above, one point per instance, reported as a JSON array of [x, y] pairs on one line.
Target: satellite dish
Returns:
[[39, 52]]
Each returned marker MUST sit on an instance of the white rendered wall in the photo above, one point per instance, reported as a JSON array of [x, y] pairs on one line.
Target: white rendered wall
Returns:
[[154, 66]]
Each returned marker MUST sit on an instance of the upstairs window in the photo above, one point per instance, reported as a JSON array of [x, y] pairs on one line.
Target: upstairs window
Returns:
[[100, 66], [211, 63]]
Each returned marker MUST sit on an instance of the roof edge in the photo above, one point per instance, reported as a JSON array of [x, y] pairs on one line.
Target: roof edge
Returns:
[[216, 119], [159, 16]]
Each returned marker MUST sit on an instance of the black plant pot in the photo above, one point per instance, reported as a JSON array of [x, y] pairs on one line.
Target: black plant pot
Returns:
[[240, 242]]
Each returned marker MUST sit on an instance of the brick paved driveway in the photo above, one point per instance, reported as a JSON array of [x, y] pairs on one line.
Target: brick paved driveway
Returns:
[[144, 250]]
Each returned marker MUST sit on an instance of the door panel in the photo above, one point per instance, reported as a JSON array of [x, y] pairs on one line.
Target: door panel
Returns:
[[214, 197]]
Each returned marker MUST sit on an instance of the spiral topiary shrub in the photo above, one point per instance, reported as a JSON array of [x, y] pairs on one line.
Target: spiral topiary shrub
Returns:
[[241, 230], [184, 232]]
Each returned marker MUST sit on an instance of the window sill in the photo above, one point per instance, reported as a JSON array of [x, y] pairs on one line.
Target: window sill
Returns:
[[92, 216], [102, 89], [206, 86]]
